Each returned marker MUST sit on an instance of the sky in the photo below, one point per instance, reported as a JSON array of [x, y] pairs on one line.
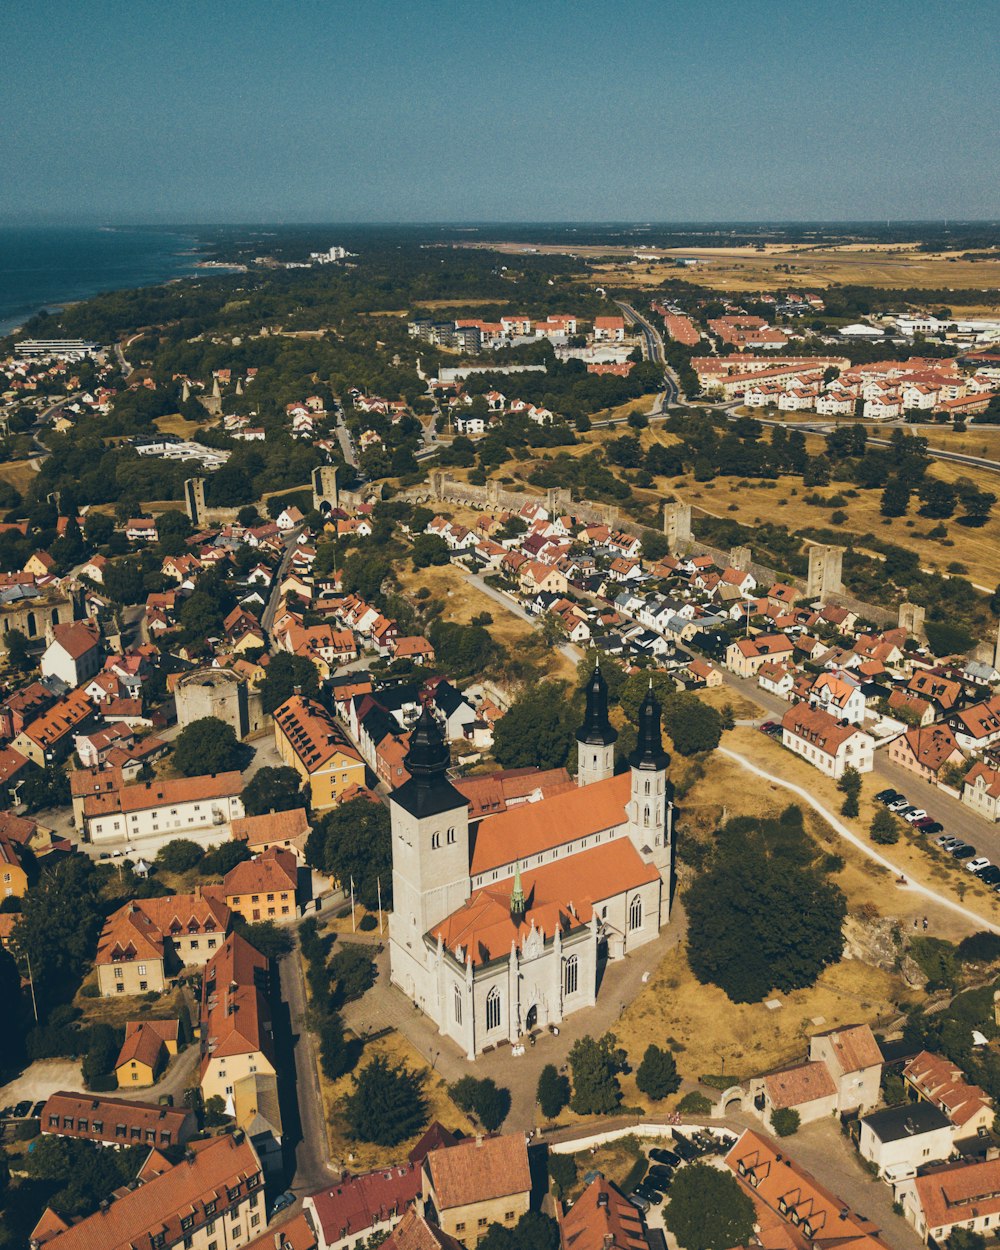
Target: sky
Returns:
[[204, 111]]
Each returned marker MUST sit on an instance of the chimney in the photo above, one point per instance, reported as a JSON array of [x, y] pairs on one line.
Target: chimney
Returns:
[[479, 1139], [602, 1200]]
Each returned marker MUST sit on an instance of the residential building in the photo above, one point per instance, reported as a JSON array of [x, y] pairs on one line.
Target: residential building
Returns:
[[213, 1196], [981, 790], [839, 695], [806, 1088], [263, 888], [48, 739], [257, 1111], [475, 1183], [793, 1209], [310, 741], [237, 1038], [73, 653], [975, 728], [829, 744], [116, 1121], [13, 875], [899, 1140], [147, 941], [145, 1052], [294, 1234], [358, 1207], [414, 1232], [602, 1218], [937, 1080], [609, 329], [112, 810], [274, 829], [853, 1059], [961, 1195]]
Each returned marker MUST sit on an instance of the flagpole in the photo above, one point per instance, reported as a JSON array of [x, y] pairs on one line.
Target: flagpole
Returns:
[[354, 927], [379, 882]]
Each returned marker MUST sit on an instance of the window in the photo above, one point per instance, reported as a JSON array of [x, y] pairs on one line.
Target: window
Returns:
[[187, 1222], [508, 1216], [459, 1228], [119, 974], [571, 975], [233, 1194], [645, 815], [143, 985], [635, 913], [458, 1005], [647, 787], [210, 1210], [141, 969], [493, 1009], [435, 841], [451, 837]]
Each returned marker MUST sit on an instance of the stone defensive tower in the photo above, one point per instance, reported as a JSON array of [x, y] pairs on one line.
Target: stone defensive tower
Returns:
[[325, 494], [677, 526], [194, 500], [826, 567]]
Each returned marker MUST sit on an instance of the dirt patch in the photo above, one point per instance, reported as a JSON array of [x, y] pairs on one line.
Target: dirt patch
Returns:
[[19, 474], [175, 423]]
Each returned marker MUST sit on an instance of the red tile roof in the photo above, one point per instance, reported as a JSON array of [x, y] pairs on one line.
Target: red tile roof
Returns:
[[272, 871], [602, 1219], [95, 1118], [353, 1206], [479, 1169], [956, 1195]]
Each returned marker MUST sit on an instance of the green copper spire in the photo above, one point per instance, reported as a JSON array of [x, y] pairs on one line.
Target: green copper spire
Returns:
[[517, 902]]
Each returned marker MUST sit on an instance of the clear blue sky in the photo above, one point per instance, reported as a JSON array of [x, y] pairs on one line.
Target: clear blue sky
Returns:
[[435, 110]]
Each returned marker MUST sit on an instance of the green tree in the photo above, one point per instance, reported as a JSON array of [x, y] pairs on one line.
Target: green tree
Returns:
[[61, 917], [552, 1092], [386, 1105], [538, 729], [273, 790], [658, 1076], [849, 786], [533, 1231], [708, 1210], [884, 828], [215, 1111], [785, 1121], [776, 923], [353, 841], [694, 1102], [595, 1066], [179, 855], [77, 1174], [219, 860], [353, 972], [965, 1239], [895, 497], [124, 583], [563, 1172], [429, 549], [334, 1053], [272, 940], [284, 673], [980, 948], [208, 745], [98, 528], [483, 1098], [18, 651], [693, 726]]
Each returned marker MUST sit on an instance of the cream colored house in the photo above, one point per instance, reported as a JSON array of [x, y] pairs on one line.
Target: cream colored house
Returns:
[[237, 1038], [476, 1183]]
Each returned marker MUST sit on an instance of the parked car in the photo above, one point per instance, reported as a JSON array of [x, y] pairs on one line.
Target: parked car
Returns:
[[37, 1109], [282, 1201], [963, 851], [768, 727], [22, 1110], [886, 796], [652, 1196], [946, 841], [916, 813], [928, 826], [659, 1175], [665, 1156], [977, 864], [903, 811], [637, 1200], [897, 804], [989, 876]]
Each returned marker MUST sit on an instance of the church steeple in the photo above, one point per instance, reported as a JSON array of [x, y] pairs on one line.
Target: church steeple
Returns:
[[596, 736], [596, 729], [428, 790], [517, 900], [649, 754]]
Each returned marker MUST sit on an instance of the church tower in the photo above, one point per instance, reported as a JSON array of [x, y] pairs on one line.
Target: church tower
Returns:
[[596, 736], [430, 841], [651, 807]]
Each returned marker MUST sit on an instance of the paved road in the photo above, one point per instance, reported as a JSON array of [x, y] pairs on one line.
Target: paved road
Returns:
[[838, 826], [570, 650], [344, 438], [312, 1164], [655, 352], [267, 617]]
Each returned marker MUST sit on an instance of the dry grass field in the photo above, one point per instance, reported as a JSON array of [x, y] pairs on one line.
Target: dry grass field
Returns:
[[19, 474], [463, 601], [175, 423]]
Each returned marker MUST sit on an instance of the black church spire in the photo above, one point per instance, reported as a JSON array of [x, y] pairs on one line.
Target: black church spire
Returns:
[[596, 729], [649, 753]]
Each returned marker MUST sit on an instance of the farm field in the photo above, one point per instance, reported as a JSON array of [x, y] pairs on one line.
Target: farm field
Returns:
[[19, 474]]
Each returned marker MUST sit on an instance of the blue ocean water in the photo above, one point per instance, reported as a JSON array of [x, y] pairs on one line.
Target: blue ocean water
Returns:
[[43, 267]]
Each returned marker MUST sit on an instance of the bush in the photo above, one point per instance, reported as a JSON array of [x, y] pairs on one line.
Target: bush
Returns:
[[694, 1103], [552, 1092], [785, 1121], [979, 948], [179, 855], [27, 1130], [367, 923], [90, 991], [484, 1099], [562, 1173]]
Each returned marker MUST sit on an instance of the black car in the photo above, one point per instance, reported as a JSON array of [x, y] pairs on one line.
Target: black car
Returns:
[[684, 1148], [659, 1175], [930, 826], [990, 875], [886, 796], [963, 851], [652, 1196], [39, 1107], [21, 1110], [665, 1156]]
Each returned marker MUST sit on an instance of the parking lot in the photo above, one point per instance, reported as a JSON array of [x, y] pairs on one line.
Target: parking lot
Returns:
[[41, 1079], [667, 1157], [937, 838]]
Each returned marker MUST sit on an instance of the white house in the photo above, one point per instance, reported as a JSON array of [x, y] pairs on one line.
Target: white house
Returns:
[[831, 745], [898, 1140], [74, 652]]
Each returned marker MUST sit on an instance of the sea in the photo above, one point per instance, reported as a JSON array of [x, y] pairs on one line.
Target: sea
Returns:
[[47, 267]]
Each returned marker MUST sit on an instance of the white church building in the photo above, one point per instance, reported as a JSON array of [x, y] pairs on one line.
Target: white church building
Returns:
[[504, 925]]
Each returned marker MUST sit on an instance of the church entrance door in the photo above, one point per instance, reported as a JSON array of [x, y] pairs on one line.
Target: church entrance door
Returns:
[[531, 1019]]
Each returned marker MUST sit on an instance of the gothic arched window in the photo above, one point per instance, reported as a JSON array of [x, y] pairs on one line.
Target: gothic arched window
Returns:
[[493, 1009], [635, 913], [458, 1005], [645, 815], [571, 975], [647, 786]]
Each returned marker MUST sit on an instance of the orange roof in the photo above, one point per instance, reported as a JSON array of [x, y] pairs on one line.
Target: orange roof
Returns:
[[235, 1016], [312, 733], [96, 1118], [957, 1194], [561, 894], [271, 827], [932, 745], [62, 718], [77, 637], [413, 1232], [810, 1213], [493, 793], [114, 796], [817, 727], [272, 871], [536, 827], [293, 1234], [479, 1169], [208, 1171], [943, 1084], [855, 1047], [143, 1045], [803, 1083], [602, 1219]]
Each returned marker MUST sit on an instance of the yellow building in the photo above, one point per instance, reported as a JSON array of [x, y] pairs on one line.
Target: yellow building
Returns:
[[476, 1183], [145, 1052], [263, 888], [13, 878], [310, 741]]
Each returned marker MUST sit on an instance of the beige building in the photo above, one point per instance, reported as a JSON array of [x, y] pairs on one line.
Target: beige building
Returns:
[[34, 611], [214, 1197], [476, 1183], [853, 1059], [237, 1038], [148, 941], [264, 888], [112, 810], [310, 741]]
